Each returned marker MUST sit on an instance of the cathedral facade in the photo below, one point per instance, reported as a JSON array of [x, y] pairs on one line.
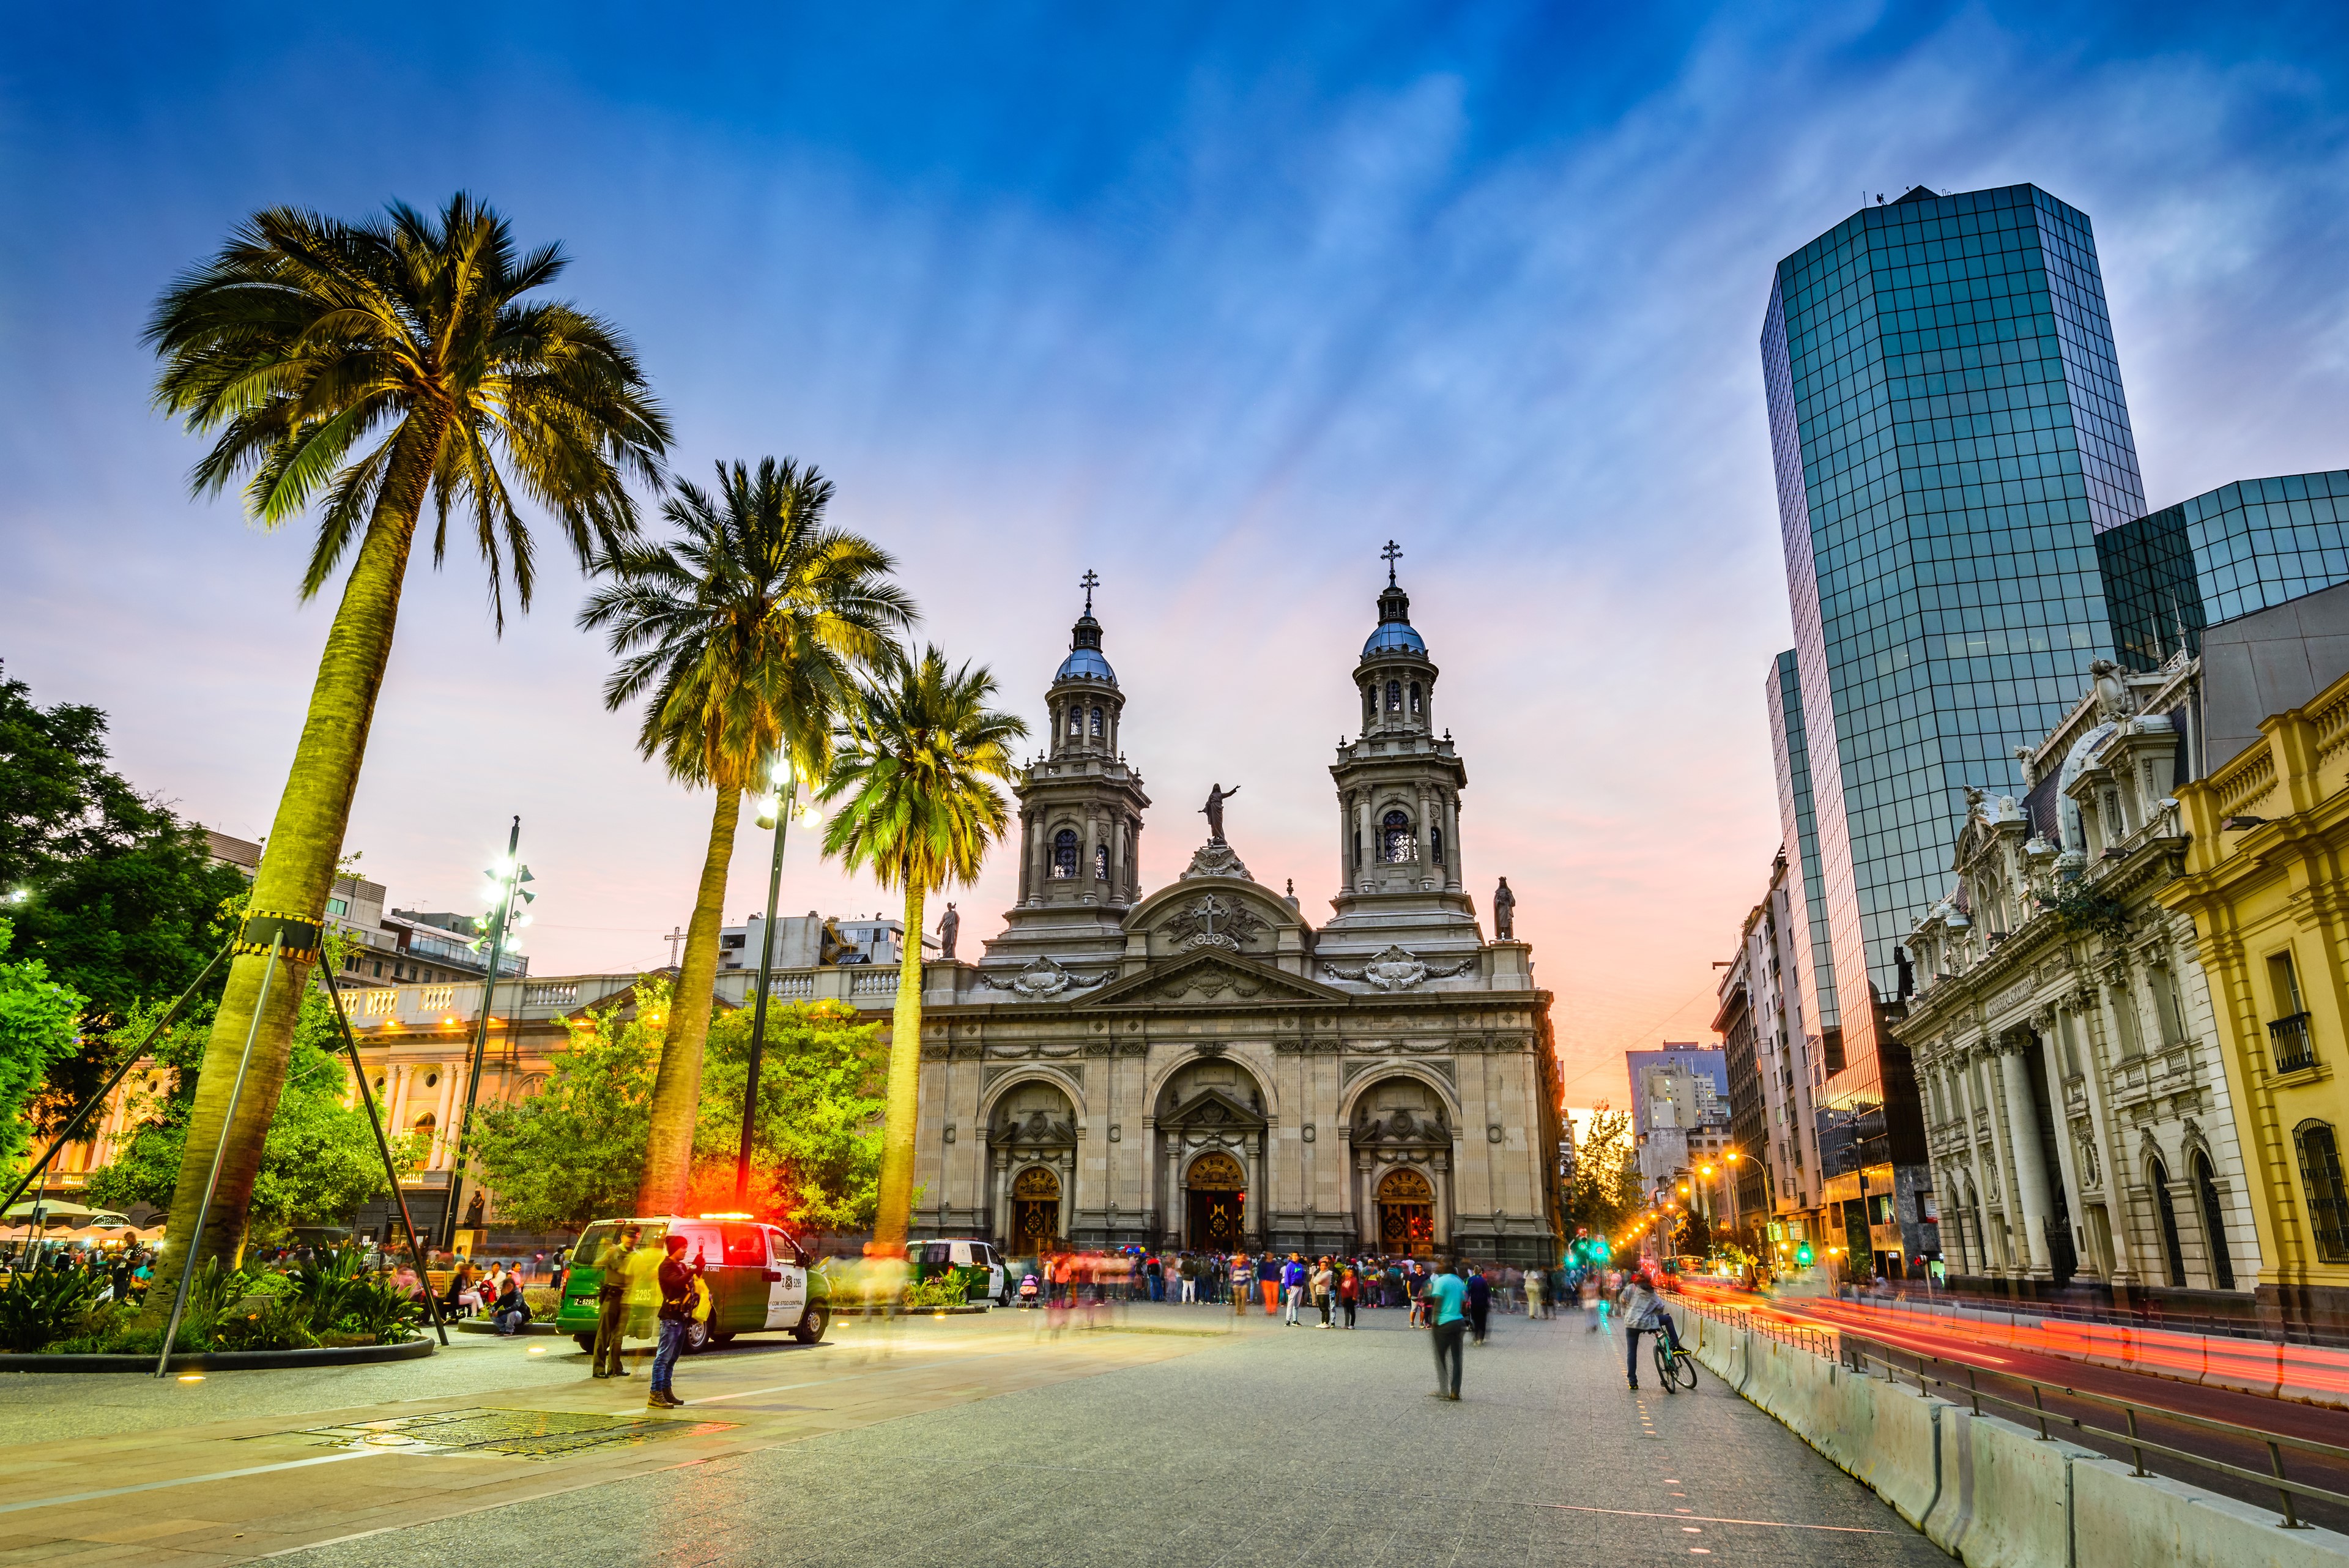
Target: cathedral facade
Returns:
[[1199, 1065]]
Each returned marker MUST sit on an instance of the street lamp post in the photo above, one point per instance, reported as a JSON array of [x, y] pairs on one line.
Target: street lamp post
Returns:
[[508, 878], [775, 811]]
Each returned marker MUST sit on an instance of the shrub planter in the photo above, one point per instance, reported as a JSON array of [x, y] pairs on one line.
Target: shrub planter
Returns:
[[224, 1360], [905, 1311], [483, 1325]]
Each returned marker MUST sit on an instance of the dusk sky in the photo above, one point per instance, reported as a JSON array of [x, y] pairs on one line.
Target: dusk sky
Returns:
[[1213, 302]]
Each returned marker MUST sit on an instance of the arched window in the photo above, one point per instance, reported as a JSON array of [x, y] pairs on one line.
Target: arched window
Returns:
[[1414, 699], [1394, 696], [1358, 846], [1394, 831], [1076, 722], [2214, 1221], [1436, 844], [1064, 853], [1100, 862], [1097, 724], [2173, 1252], [2328, 1205], [425, 1123]]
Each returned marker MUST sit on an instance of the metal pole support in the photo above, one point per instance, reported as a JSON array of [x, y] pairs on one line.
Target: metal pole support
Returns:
[[219, 1154]]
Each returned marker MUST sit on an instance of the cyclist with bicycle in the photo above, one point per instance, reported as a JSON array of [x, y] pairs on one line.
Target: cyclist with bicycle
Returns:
[[1643, 1313]]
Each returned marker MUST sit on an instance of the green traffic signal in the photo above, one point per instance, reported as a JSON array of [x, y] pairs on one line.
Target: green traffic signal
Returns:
[[1803, 1256]]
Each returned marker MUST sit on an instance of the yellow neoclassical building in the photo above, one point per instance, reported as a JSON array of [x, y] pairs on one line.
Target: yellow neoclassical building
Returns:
[[2263, 881]]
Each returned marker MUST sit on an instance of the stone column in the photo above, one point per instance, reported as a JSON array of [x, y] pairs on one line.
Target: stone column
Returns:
[[1454, 876], [2110, 1153], [1032, 856], [1134, 861], [1345, 841], [1117, 878], [2029, 1165], [1370, 848], [2009, 1199]]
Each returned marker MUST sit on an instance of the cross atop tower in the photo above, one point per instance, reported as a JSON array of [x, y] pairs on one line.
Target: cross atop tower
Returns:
[[1390, 554], [1089, 582]]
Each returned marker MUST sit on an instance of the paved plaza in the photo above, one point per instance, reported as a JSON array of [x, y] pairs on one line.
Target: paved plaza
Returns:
[[1160, 1437]]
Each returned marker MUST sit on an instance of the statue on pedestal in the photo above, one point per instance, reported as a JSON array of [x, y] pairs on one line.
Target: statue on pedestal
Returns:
[[1217, 796], [949, 927], [1504, 913]]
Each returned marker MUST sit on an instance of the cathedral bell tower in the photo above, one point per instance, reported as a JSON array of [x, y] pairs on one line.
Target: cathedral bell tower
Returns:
[[1398, 800], [1080, 805]]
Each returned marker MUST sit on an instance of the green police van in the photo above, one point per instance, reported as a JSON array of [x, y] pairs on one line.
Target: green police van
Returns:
[[761, 1280]]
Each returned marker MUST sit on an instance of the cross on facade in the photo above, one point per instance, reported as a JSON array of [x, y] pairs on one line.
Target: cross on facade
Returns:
[[676, 935], [1089, 582], [1390, 554]]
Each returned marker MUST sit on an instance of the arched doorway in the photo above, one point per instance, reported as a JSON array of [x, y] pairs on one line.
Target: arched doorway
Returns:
[[1035, 1210], [1216, 1192], [2157, 1176], [1406, 1213], [2214, 1221]]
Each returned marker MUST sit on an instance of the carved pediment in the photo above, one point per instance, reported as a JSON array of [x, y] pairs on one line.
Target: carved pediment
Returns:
[[1037, 1129], [1212, 1110], [1210, 977]]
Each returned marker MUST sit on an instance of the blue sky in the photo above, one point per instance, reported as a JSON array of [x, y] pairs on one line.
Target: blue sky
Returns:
[[1212, 301]]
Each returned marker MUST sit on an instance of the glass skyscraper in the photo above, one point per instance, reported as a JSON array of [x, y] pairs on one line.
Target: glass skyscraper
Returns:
[[1950, 435], [2228, 552]]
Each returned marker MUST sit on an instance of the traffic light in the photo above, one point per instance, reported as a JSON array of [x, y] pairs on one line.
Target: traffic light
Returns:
[[1803, 1256]]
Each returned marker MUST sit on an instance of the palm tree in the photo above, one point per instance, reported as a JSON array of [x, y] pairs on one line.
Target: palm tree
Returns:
[[385, 370], [913, 765], [744, 635]]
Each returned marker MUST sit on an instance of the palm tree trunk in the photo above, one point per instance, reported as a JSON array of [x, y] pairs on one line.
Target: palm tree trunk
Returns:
[[677, 1086], [295, 873], [896, 1208]]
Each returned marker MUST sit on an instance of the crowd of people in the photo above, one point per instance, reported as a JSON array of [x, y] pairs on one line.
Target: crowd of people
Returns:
[[1331, 1288]]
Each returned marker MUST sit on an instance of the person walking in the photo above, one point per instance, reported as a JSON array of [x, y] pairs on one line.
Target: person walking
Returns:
[[1349, 1287], [1537, 1296], [1292, 1285], [1324, 1284], [1188, 1269], [612, 1304], [677, 1300], [1446, 1300], [1267, 1278], [1480, 1306]]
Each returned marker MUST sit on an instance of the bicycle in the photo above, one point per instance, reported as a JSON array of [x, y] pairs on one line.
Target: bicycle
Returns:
[[1674, 1364]]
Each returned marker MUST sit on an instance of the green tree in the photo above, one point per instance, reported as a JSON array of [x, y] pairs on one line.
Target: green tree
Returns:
[[743, 635], [391, 373], [575, 1151], [816, 1160], [914, 773], [319, 1161], [39, 1024], [1605, 1192], [112, 892]]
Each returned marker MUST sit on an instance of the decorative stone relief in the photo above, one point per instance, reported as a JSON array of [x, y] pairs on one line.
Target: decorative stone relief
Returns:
[[1395, 969], [1041, 980], [1215, 859], [1211, 921]]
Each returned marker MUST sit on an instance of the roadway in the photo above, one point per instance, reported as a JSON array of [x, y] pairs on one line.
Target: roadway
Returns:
[[1969, 1358]]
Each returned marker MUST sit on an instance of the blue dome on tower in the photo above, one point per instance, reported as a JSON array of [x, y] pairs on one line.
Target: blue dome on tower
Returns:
[[1085, 661], [1394, 633]]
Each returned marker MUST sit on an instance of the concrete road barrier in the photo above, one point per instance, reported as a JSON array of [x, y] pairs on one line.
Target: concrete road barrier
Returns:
[[1994, 1493]]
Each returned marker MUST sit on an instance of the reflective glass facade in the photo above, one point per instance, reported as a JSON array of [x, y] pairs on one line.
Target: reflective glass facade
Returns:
[[1949, 434], [1805, 895], [2228, 552]]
